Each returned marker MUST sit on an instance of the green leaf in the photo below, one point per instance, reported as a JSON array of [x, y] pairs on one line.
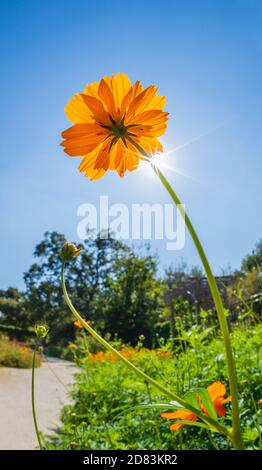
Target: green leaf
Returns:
[[191, 399], [250, 435], [158, 405], [142, 406], [207, 403], [193, 423]]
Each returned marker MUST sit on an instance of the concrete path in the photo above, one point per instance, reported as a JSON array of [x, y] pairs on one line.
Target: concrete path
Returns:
[[16, 422]]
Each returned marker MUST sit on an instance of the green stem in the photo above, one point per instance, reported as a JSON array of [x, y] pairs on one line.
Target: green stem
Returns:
[[163, 389], [154, 416], [33, 397], [236, 433]]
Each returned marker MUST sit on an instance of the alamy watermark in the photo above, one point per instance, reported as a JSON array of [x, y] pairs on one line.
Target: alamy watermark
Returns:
[[135, 222]]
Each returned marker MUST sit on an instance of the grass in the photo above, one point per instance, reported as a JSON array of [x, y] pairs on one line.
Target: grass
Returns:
[[14, 354], [106, 395]]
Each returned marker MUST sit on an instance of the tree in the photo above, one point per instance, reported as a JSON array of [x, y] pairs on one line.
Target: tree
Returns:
[[12, 308], [109, 284], [134, 298], [86, 277], [196, 272], [175, 274], [248, 280], [14, 320], [254, 260]]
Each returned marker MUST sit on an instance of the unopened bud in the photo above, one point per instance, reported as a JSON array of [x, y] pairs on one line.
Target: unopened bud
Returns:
[[41, 331], [72, 444], [260, 403], [69, 251]]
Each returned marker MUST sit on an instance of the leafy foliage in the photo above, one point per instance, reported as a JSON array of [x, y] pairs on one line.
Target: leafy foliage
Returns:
[[12, 307], [13, 354], [107, 411], [253, 260], [109, 283], [133, 298]]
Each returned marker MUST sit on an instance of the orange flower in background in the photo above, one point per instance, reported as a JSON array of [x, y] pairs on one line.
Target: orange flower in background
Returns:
[[78, 323], [111, 118], [216, 392], [72, 346], [161, 353], [179, 414], [99, 356]]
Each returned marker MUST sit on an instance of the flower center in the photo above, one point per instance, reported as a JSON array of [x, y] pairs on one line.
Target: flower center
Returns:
[[118, 130]]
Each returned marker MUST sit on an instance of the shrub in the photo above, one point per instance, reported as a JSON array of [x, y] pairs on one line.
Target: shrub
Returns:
[[14, 354], [106, 395]]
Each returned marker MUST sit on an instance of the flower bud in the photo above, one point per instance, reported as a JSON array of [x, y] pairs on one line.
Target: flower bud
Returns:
[[260, 403], [69, 251], [41, 331]]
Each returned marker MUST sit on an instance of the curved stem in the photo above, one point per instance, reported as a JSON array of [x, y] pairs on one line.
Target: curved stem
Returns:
[[33, 397], [236, 433], [162, 388]]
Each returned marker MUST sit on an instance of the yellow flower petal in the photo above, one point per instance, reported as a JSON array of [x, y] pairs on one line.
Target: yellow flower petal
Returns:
[[76, 110]]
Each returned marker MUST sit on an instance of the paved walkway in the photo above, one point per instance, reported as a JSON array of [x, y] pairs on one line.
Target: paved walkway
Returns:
[[16, 422]]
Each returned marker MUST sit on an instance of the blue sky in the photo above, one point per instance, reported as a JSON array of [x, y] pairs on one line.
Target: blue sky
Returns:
[[205, 56]]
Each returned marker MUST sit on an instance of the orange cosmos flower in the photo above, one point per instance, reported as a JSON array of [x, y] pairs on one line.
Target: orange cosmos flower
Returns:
[[179, 414], [216, 392], [99, 356], [111, 118], [78, 323], [72, 346]]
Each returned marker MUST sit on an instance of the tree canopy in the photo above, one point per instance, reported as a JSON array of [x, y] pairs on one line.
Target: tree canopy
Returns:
[[111, 285]]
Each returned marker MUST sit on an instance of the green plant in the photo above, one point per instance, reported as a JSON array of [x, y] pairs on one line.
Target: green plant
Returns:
[[178, 402], [41, 331], [14, 354], [102, 419]]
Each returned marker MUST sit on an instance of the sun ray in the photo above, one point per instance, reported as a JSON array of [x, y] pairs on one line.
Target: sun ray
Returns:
[[200, 136]]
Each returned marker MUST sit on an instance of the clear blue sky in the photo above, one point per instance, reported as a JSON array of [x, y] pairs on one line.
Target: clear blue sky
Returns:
[[205, 56]]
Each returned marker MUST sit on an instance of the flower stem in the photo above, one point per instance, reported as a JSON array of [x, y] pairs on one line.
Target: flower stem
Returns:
[[236, 433], [33, 396], [162, 388]]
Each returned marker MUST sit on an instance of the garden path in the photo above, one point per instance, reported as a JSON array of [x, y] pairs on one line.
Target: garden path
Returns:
[[53, 381]]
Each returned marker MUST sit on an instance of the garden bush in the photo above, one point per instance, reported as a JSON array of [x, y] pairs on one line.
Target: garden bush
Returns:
[[14, 354], [108, 411]]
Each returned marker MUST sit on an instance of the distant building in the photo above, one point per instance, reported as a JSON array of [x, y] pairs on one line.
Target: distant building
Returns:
[[197, 290]]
